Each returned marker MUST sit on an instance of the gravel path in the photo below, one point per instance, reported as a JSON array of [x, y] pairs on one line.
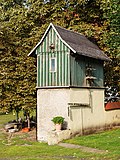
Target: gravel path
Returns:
[[83, 148]]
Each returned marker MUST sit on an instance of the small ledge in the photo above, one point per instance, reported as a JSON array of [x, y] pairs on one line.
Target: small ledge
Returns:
[[79, 105], [55, 137], [90, 78], [62, 87]]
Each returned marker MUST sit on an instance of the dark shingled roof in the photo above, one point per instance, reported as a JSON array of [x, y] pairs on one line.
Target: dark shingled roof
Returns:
[[77, 42], [81, 44]]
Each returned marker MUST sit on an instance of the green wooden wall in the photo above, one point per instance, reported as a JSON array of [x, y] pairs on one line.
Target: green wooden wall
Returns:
[[61, 77], [70, 70], [78, 71]]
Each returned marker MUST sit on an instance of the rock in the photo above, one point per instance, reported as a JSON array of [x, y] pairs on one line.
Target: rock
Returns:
[[9, 126], [12, 126], [56, 137], [13, 130]]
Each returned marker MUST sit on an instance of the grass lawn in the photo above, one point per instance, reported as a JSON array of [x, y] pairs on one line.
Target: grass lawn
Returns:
[[22, 146]]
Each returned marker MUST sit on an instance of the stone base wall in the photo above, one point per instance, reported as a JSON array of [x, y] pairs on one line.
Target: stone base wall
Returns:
[[50, 103], [82, 108]]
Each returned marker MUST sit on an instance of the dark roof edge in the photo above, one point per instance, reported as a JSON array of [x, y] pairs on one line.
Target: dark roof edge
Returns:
[[32, 52], [98, 58]]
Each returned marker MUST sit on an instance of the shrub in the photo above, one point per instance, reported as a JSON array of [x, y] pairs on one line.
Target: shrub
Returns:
[[58, 120]]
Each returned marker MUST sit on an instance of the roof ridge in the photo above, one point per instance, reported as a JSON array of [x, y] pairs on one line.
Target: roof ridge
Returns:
[[75, 41], [69, 30]]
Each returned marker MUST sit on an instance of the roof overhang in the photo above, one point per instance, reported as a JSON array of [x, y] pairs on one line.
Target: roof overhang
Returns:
[[89, 51], [32, 52]]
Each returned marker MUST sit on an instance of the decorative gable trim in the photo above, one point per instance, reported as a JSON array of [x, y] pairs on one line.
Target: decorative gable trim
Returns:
[[51, 25], [62, 39]]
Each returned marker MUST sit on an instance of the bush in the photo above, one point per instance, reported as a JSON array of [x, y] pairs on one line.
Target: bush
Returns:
[[58, 120]]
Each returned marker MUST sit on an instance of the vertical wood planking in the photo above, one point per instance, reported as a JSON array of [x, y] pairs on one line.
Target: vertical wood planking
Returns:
[[66, 66], [69, 69], [46, 59], [40, 53], [61, 53], [38, 68], [49, 55], [44, 63], [60, 64], [56, 55]]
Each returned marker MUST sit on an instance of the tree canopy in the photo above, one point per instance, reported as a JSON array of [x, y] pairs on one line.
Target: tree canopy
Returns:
[[22, 24]]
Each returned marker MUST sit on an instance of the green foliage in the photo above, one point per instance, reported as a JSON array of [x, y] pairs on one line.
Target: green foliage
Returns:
[[58, 120], [15, 81], [111, 13], [22, 24]]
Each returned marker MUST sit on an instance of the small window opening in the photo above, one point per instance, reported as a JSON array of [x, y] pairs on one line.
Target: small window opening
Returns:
[[90, 75], [53, 65]]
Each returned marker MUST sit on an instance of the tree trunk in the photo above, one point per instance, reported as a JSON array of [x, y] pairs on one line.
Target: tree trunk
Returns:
[[28, 119], [17, 115]]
